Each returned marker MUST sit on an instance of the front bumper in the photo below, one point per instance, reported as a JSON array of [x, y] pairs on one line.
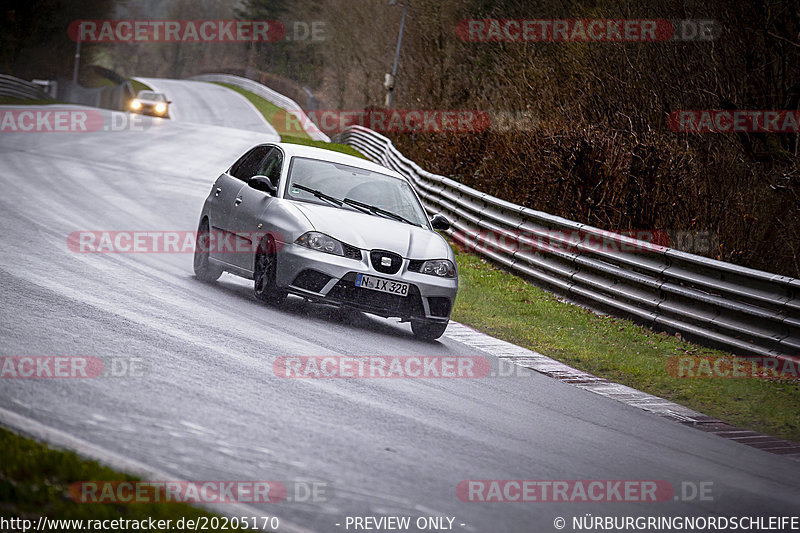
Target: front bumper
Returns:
[[150, 110], [331, 279]]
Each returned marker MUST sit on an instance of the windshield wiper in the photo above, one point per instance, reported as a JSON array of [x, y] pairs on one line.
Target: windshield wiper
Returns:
[[319, 194], [375, 210], [367, 208]]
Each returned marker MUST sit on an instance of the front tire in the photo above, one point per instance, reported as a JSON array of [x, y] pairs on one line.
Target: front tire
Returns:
[[203, 269], [266, 268], [430, 331]]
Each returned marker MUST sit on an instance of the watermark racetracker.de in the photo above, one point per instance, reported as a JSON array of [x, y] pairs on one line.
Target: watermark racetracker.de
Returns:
[[71, 367], [172, 31], [394, 367], [166, 241], [52, 119], [332, 121], [201, 492], [582, 490], [586, 30], [198, 31], [574, 241], [734, 121], [732, 367]]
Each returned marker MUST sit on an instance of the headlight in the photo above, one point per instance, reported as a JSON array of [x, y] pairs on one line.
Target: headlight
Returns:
[[439, 267], [320, 242], [161, 107], [136, 104]]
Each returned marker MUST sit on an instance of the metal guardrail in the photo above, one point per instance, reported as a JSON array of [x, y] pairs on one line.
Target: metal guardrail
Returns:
[[739, 309], [271, 96], [18, 88]]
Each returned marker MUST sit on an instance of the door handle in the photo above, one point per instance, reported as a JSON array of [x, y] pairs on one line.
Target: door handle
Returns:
[[219, 190], [237, 201]]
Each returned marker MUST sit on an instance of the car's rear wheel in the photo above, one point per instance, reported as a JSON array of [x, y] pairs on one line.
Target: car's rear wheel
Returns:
[[203, 269], [428, 330], [266, 267]]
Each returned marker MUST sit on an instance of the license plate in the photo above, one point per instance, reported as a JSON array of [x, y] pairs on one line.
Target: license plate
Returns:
[[382, 285]]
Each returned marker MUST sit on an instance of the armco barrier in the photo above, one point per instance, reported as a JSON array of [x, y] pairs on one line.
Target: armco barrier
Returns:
[[271, 96], [17, 88], [740, 309]]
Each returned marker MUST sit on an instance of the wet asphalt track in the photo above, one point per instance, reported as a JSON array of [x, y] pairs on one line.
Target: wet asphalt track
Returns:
[[210, 407], [202, 102]]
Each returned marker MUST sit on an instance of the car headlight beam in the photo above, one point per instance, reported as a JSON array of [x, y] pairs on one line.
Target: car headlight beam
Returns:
[[136, 104], [442, 268], [161, 108], [321, 243]]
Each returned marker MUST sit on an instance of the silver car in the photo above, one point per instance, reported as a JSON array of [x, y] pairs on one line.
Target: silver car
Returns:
[[331, 228], [150, 103]]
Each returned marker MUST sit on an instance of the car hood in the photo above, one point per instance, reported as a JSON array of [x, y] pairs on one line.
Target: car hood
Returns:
[[371, 232]]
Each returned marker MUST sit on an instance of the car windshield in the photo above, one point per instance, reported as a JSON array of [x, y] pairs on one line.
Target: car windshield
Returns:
[[150, 95], [349, 187]]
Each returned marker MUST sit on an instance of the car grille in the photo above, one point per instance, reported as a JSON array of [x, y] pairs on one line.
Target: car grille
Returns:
[[377, 258], [380, 302], [311, 280]]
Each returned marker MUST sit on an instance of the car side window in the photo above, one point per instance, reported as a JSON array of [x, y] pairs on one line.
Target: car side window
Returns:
[[249, 165], [271, 166], [238, 163]]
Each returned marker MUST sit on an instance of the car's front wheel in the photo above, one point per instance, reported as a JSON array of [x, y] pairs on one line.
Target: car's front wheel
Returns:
[[203, 269], [428, 330], [266, 267]]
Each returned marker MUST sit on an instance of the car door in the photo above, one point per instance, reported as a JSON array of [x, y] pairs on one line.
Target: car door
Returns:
[[223, 197], [250, 207]]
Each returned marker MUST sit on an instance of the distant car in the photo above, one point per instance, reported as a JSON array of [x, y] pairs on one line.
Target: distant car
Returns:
[[151, 103], [331, 228]]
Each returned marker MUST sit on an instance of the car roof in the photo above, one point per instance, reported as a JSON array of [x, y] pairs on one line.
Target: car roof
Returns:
[[300, 150]]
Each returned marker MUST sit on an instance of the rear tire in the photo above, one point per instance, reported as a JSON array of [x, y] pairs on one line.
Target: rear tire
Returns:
[[424, 329], [266, 268], [203, 269]]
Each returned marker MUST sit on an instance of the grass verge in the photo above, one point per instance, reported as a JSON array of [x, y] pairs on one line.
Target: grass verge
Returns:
[[504, 305], [287, 126], [336, 147], [139, 86], [35, 481], [10, 100]]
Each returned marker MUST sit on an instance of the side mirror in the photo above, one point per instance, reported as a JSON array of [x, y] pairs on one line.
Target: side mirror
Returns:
[[262, 183], [440, 222]]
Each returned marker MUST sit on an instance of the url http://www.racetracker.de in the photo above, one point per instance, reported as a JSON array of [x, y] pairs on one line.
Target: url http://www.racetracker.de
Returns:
[[201, 523]]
